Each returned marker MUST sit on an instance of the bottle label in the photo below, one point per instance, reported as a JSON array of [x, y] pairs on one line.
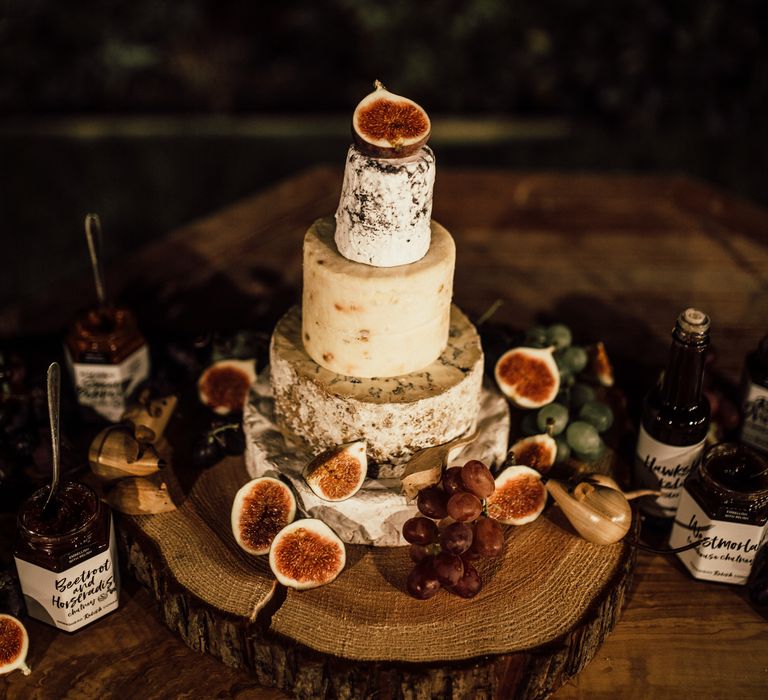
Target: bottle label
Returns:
[[77, 596], [104, 387], [663, 468], [754, 430], [726, 550]]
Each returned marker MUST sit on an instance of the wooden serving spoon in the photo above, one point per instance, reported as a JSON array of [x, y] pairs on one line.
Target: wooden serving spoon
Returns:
[[600, 514], [426, 466]]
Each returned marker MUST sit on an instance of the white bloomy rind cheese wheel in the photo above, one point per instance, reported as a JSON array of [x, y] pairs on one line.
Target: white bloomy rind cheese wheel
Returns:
[[385, 208], [364, 321]]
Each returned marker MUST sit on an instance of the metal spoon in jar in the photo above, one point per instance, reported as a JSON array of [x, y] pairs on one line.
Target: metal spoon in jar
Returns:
[[94, 239], [54, 389]]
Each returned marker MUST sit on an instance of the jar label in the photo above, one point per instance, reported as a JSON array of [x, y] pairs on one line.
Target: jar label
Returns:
[[727, 549], [104, 387], [77, 596], [663, 468], [754, 430]]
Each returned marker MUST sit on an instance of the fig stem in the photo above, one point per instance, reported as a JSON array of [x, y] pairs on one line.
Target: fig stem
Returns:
[[378, 85]]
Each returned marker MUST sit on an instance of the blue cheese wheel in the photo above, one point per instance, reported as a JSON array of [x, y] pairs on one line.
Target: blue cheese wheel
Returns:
[[397, 416], [363, 321], [384, 213]]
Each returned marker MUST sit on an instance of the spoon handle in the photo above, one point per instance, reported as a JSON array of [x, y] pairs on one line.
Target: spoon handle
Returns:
[[54, 388], [93, 236]]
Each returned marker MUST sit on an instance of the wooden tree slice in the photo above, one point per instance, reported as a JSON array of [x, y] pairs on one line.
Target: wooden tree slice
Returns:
[[546, 607]]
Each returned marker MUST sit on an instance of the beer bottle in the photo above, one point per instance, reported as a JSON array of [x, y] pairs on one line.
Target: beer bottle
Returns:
[[675, 418], [754, 405]]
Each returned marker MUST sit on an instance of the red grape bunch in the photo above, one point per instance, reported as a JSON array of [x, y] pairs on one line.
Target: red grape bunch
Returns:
[[452, 532]]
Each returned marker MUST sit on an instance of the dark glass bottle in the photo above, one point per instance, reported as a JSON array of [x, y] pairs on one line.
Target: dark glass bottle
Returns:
[[754, 404], [675, 418]]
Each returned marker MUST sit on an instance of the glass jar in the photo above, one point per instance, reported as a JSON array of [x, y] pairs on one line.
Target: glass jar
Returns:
[[724, 505], [66, 557], [107, 358]]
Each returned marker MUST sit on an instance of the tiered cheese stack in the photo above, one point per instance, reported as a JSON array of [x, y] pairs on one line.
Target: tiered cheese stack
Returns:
[[378, 353]]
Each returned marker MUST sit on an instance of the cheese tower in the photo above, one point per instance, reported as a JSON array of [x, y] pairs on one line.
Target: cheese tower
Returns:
[[377, 351]]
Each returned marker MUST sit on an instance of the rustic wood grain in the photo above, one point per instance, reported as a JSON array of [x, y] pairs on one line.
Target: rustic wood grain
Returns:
[[616, 256], [276, 658], [362, 635]]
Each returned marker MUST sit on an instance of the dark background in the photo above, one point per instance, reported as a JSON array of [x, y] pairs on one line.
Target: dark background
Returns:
[[154, 112]]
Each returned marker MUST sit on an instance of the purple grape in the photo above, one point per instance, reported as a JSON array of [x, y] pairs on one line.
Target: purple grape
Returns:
[[469, 585], [419, 530], [422, 582], [452, 480], [448, 567], [432, 502], [477, 479], [456, 538], [464, 506]]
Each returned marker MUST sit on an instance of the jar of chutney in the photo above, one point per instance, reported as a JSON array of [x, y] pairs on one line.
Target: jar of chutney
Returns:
[[724, 506], [107, 358], [66, 557]]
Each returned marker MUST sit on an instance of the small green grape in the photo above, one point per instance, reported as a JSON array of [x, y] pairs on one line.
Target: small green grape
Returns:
[[583, 437], [592, 456], [580, 394], [536, 336], [555, 412], [559, 335], [598, 414], [574, 358], [563, 450]]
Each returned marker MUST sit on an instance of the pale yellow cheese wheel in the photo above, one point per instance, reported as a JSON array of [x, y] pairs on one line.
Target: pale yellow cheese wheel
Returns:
[[365, 321]]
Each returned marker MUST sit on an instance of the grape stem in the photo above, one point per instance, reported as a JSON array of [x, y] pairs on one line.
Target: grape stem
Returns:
[[214, 434]]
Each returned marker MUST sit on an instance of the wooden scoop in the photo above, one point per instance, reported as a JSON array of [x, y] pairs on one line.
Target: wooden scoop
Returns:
[[426, 466], [600, 514]]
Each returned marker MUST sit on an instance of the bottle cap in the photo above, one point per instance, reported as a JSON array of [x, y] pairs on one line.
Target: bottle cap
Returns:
[[693, 321]]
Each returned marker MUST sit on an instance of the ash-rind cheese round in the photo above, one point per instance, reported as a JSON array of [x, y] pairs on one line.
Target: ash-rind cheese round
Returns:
[[363, 321], [384, 213], [375, 514], [397, 416]]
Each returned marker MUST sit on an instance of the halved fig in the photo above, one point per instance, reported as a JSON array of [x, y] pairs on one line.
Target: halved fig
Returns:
[[337, 474], [223, 386], [599, 364], [14, 644], [519, 498], [385, 125], [528, 376], [536, 451], [261, 509], [307, 554]]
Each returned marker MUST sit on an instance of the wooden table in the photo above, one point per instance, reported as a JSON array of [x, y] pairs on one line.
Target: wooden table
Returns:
[[616, 257]]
